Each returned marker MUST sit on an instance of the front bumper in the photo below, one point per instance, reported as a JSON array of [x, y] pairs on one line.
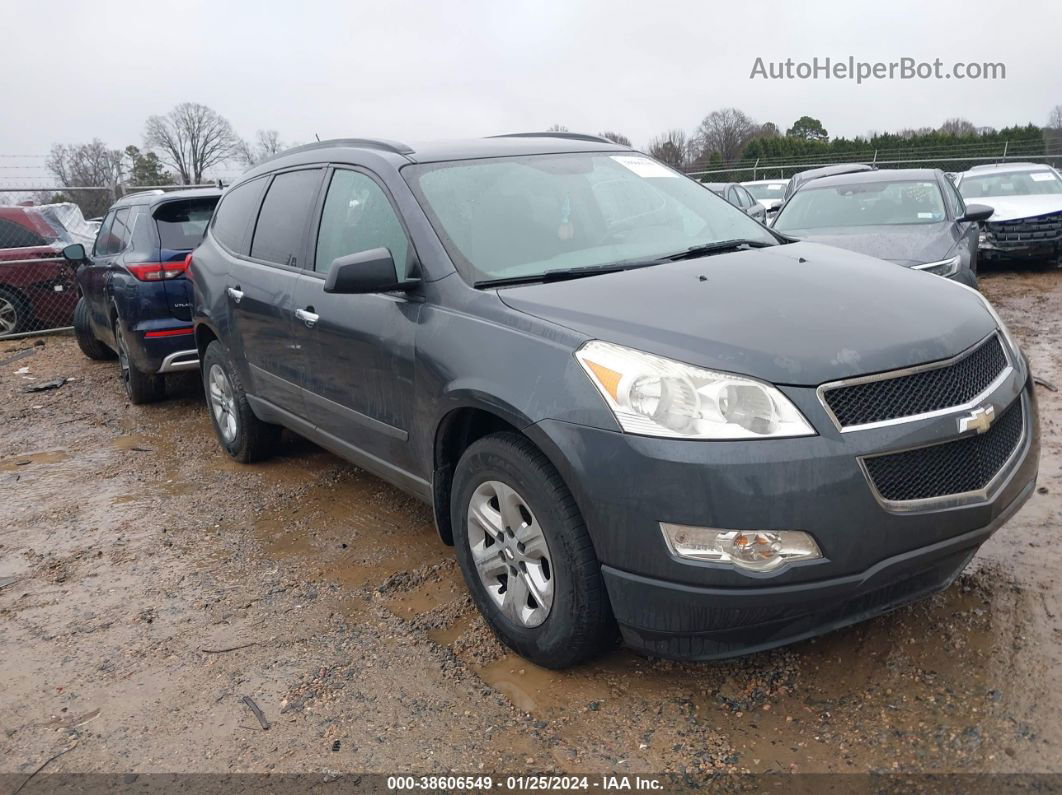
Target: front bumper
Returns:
[[683, 622], [874, 558]]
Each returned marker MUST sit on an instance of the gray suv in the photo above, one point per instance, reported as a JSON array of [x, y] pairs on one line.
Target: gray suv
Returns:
[[635, 411]]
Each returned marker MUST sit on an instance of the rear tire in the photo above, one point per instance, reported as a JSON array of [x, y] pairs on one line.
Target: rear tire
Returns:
[[86, 340], [140, 387], [526, 556], [241, 434], [14, 313]]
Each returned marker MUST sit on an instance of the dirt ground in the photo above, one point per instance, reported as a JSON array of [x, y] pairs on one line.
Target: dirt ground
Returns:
[[156, 584]]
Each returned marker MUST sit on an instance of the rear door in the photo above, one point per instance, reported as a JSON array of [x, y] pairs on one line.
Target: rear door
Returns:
[[112, 240], [359, 348], [262, 286]]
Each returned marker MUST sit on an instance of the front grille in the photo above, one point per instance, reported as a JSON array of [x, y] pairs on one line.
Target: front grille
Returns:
[[1024, 232], [918, 393], [955, 467]]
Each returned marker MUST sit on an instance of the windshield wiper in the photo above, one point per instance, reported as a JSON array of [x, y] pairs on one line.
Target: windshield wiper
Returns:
[[718, 247], [564, 274]]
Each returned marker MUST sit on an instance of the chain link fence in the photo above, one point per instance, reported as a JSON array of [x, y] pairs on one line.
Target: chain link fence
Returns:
[[947, 158]]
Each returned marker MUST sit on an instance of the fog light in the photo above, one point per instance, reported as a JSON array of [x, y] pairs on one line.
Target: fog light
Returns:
[[754, 550]]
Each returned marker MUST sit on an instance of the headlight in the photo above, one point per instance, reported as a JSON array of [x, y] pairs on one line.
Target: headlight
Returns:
[[654, 396], [945, 267]]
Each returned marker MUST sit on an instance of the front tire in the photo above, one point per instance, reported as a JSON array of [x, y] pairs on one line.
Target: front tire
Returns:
[[526, 555], [140, 387], [86, 340], [242, 435]]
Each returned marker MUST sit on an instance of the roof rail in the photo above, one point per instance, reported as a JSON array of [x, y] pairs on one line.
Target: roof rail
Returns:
[[1004, 163], [568, 135], [396, 147]]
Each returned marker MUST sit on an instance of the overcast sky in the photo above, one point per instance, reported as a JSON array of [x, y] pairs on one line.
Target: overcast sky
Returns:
[[444, 69]]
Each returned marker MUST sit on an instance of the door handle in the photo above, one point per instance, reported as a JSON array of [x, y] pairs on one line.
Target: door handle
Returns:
[[307, 317], [235, 293]]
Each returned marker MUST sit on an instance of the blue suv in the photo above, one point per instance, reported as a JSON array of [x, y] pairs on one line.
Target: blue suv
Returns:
[[136, 301]]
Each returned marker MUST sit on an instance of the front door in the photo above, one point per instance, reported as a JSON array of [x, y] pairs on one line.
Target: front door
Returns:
[[359, 349]]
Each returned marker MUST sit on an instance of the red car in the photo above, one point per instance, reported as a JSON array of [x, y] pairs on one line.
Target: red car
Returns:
[[37, 286]]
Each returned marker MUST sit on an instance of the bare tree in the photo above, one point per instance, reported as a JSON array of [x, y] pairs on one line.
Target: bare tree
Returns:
[[726, 132], [191, 138], [616, 138], [958, 126], [768, 130], [557, 128], [1054, 118], [267, 143], [90, 165], [671, 148]]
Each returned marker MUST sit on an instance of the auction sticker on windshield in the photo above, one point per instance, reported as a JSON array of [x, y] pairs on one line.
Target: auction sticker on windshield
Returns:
[[643, 166]]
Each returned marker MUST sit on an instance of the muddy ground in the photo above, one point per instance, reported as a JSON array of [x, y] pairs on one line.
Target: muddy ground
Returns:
[[156, 583]]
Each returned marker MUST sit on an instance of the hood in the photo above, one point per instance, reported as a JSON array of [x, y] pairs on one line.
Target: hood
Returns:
[[798, 314], [904, 244], [1007, 208]]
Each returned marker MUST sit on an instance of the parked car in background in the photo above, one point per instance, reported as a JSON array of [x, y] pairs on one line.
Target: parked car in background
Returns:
[[37, 286], [740, 198], [1027, 199], [768, 192], [136, 300], [804, 177], [627, 402], [914, 217]]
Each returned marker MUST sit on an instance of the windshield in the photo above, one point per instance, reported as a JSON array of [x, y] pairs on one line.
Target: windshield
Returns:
[[515, 217], [1014, 183], [873, 203], [770, 190]]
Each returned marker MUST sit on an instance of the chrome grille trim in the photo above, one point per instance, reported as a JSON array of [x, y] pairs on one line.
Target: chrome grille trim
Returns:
[[1004, 374]]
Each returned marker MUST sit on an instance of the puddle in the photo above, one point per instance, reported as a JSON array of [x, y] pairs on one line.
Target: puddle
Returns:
[[17, 462], [354, 529], [541, 691], [443, 588], [133, 443], [448, 635]]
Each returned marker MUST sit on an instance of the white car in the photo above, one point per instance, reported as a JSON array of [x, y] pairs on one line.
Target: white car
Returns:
[[1027, 200], [768, 192]]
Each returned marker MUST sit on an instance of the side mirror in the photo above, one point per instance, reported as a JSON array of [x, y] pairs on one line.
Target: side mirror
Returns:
[[977, 212], [371, 271], [75, 252]]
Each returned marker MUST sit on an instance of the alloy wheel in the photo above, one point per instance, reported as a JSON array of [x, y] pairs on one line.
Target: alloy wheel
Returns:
[[8, 316], [222, 403], [510, 553]]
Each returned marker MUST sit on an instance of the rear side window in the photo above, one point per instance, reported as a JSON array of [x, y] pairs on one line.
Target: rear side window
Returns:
[[278, 235], [357, 217], [103, 235], [114, 238], [234, 219], [14, 235], [182, 224]]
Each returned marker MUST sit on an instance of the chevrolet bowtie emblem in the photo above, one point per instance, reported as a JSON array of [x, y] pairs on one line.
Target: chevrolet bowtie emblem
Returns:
[[979, 420]]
